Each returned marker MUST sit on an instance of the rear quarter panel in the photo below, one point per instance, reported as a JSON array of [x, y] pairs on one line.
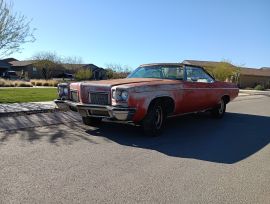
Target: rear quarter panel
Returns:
[[224, 88]]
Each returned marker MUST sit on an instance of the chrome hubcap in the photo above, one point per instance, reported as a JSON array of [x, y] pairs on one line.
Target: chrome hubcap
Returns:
[[158, 117]]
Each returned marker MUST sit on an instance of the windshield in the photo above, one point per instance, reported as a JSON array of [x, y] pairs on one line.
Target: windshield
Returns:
[[160, 72]]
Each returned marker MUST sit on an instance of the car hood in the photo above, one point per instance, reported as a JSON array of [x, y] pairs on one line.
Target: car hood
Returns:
[[137, 84], [117, 82]]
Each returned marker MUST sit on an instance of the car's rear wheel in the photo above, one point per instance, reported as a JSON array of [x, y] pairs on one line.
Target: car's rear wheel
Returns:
[[91, 120], [220, 110], [153, 123]]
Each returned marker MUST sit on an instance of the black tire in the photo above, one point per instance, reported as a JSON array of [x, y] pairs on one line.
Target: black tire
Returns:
[[91, 120], [153, 122], [220, 110]]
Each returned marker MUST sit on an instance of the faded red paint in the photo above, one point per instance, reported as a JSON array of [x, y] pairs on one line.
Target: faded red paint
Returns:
[[187, 96]]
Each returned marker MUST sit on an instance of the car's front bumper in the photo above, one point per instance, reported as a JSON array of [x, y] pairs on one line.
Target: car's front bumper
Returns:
[[110, 112]]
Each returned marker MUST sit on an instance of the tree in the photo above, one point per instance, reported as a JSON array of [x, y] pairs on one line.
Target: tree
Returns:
[[116, 71], [83, 74], [223, 71], [72, 63], [14, 30], [48, 63]]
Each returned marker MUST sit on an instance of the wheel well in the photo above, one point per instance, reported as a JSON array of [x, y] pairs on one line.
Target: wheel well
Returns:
[[166, 101], [226, 98]]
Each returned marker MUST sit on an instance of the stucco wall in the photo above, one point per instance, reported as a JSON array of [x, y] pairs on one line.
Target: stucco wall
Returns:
[[252, 81]]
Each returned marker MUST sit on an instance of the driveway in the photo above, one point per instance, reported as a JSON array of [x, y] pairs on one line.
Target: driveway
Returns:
[[196, 160]]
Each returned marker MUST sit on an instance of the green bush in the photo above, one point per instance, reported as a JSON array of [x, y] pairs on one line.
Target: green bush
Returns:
[[222, 71], [83, 74], [259, 87]]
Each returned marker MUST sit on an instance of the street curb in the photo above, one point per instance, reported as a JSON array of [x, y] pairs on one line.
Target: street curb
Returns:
[[264, 93]]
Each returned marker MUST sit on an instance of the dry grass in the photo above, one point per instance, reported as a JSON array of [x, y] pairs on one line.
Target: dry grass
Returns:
[[10, 83], [34, 82], [39, 82]]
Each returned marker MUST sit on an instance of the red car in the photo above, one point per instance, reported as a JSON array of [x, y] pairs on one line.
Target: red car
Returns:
[[149, 95]]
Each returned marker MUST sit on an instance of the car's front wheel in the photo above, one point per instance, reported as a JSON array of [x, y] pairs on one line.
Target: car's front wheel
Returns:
[[91, 120], [153, 123], [220, 110]]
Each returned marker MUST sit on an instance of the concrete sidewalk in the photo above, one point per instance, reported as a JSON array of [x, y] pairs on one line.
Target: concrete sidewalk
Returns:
[[37, 120], [15, 109], [253, 92]]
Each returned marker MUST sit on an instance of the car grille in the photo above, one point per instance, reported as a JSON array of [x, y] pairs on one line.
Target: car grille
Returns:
[[99, 98], [74, 96]]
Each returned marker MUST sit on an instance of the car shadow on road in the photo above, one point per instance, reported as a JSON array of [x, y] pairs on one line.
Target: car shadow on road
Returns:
[[229, 140]]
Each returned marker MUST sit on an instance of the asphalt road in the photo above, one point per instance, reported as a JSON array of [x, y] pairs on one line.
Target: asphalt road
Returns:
[[197, 160]]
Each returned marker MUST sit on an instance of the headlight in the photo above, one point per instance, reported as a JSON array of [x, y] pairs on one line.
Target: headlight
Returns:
[[60, 90], [120, 95], [114, 94], [65, 91], [124, 95]]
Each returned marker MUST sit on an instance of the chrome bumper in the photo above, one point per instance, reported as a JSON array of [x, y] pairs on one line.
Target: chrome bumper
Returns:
[[109, 112]]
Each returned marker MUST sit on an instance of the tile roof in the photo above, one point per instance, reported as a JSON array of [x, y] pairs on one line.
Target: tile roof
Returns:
[[22, 63], [254, 72], [200, 63]]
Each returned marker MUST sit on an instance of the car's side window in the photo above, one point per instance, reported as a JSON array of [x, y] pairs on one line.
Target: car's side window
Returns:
[[173, 73], [197, 74]]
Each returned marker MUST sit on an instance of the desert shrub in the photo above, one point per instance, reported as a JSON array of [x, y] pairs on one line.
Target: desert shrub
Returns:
[[9, 83], [53, 83], [5, 83], [2, 82], [259, 87], [83, 74], [45, 83], [24, 85], [40, 82]]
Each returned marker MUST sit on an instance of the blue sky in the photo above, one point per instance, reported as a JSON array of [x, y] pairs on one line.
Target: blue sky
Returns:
[[130, 32]]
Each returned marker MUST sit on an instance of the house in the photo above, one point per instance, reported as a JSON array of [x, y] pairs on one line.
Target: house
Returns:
[[248, 77], [24, 68], [33, 69], [98, 73], [4, 66]]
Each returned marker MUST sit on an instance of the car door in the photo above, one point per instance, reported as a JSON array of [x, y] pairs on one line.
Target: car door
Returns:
[[197, 90]]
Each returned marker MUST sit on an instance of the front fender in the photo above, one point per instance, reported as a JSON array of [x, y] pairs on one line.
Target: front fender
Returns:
[[142, 100]]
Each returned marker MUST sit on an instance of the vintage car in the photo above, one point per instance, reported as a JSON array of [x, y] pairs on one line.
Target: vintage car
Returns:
[[148, 96]]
